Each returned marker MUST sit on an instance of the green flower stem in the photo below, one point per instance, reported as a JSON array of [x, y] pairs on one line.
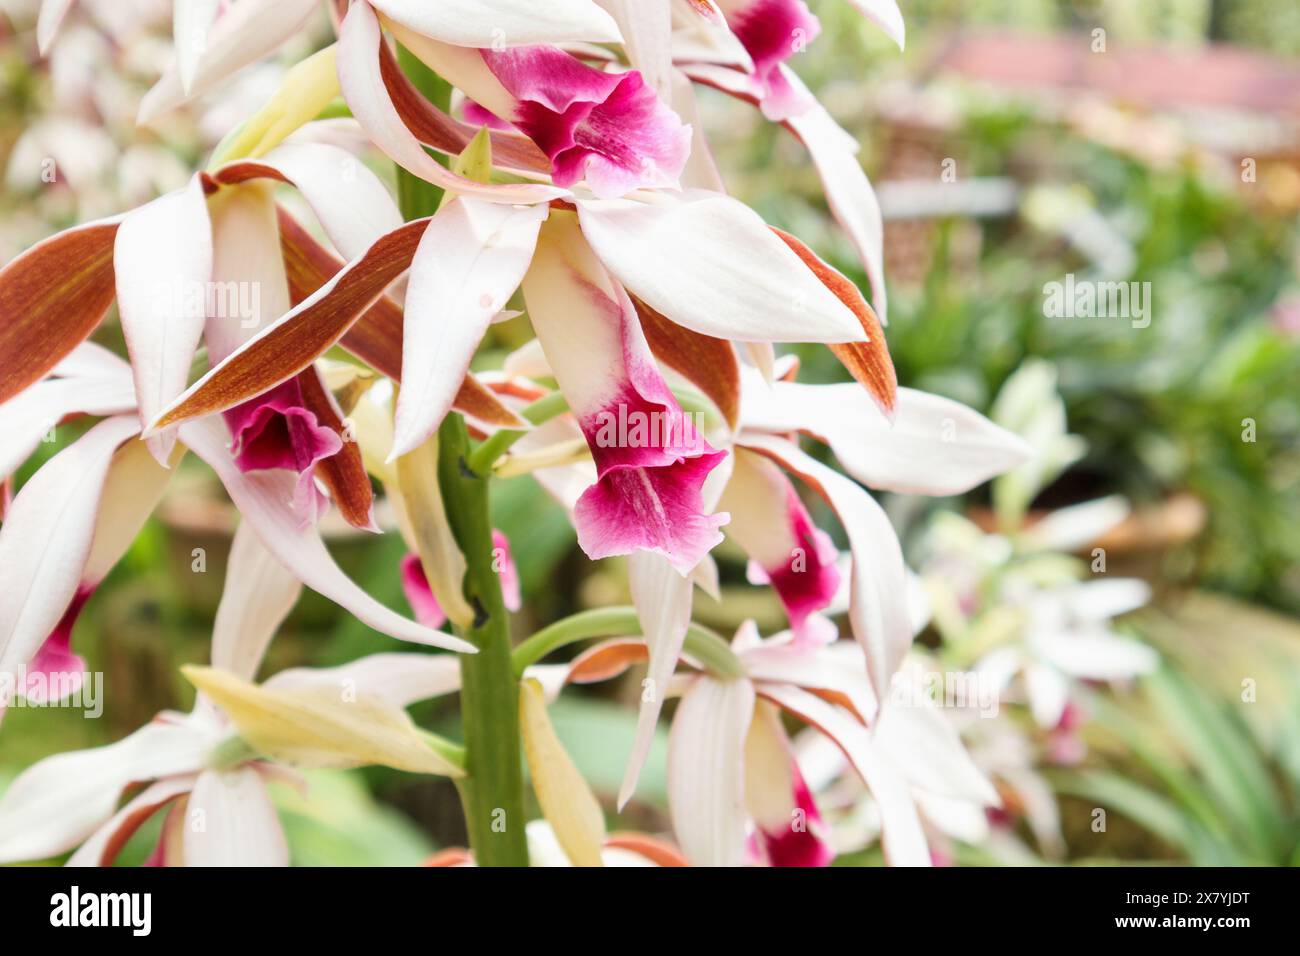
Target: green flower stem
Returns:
[[498, 443], [492, 792], [703, 644]]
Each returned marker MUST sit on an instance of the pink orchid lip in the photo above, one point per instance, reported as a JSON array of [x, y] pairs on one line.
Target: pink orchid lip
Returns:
[[55, 665], [418, 593], [609, 128], [647, 491], [275, 430], [802, 844], [772, 31], [415, 586], [480, 115], [808, 581]]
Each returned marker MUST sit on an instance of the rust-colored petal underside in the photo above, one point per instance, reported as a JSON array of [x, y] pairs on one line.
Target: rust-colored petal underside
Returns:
[[446, 134], [868, 362], [51, 298], [305, 333], [376, 338], [654, 850], [607, 660], [452, 856], [344, 473], [706, 362]]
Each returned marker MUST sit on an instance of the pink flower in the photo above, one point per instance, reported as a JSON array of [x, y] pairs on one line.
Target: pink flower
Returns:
[[275, 430], [772, 31], [650, 457], [802, 842], [420, 596], [791, 554], [609, 128]]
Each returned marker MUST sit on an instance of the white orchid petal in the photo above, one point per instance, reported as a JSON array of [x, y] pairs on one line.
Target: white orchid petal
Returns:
[[89, 360], [706, 774], [492, 23], [162, 257], [60, 801], [469, 262], [1075, 526], [258, 594], [647, 30], [709, 263], [1049, 692], [106, 842], [231, 821], [886, 15], [905, 843], [263, 498], [922, 742], [191, 21], [46, 540], [30, 415], [48, 22], [934, 446], [134, 486], [662, 598], [352, 204], [1093, 653], [849, 194], [398, 679], [878, 610], [248, 31]]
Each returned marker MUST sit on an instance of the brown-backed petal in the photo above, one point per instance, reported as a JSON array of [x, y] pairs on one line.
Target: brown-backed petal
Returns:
[[706, 362], [656, 851], [607, 660], [305, 333], [52, 297], [446, 134], [344, 473], [359, 65], [107, 842], [868, 362], [375, 338]]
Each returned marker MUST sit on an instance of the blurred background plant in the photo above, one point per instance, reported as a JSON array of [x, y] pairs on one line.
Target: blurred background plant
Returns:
[[1014, 143]]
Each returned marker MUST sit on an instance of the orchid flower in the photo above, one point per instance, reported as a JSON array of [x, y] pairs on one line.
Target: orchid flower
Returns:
[[953, 794], [209, 769], [933, 446], [735, 792], [75, 518], [1014, 599], [587, 199], [545, 850], [1067, 638]]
